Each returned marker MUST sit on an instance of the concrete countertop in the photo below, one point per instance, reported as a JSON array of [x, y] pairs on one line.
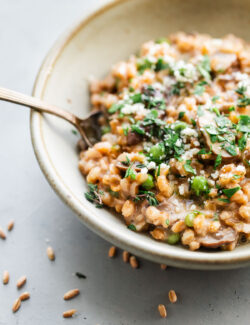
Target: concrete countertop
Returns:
[[113, 293]]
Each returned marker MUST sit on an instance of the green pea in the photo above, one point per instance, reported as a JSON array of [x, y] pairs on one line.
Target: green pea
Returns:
[[156, 152], [189, 219], [199, 185], [180, 126], [149, 183], [173, 238]]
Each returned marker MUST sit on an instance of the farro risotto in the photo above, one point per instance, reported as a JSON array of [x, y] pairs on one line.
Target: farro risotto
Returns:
[[174, 157]]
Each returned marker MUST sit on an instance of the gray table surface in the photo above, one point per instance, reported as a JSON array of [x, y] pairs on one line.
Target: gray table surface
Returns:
[[113, 292]]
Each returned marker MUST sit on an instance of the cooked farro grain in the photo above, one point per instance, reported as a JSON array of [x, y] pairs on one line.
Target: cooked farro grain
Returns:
[[71, 294], [163, 266], [16, 305], [133, 262], [2, 234], [6, 277], [172, 296], [174, 158], [21, 282], [162, 310], [50, 253], [125, 256], [69, 313], [10, 225], [24, 296], [112, 251]]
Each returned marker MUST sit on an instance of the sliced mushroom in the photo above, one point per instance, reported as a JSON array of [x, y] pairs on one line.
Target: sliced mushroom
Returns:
[[206, 119], [214, 240], [123, 167], [133, 138]]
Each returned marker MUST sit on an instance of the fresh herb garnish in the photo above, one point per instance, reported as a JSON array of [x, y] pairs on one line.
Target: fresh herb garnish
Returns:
[[242, 142], [130, 173], [146, 195], [200, 88], [176, 90], [126, 162], [229, 192], [94, 195], [204, 68], [115, 107], [218, 161], [136, 128], [215, 98], [188, 168], [181, 115], [80, 275], [132, 227]]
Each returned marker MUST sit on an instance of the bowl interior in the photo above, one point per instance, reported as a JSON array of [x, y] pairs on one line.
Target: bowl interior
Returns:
[[90, 49]]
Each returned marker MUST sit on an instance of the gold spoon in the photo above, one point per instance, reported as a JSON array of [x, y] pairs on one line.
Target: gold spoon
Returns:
[[88, 127]]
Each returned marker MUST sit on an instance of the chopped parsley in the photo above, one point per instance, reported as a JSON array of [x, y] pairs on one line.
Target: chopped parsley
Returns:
[[204, 68], [229, 192], [188, 168], [218, 161], [200, 88], [132, 227]]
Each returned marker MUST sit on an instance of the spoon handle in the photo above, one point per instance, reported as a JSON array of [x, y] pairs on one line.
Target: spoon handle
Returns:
[[33, 102]]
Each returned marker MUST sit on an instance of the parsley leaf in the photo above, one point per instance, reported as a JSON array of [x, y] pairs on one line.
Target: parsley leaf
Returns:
[[229, 192], [204, 68], [188, 168], [218, 161], [132, 227], [115, 107]]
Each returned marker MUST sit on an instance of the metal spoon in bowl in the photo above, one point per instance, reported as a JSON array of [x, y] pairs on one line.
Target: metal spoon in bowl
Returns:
[[88, 127]]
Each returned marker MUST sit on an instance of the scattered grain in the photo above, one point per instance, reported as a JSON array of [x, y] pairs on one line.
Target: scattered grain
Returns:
[[162, 311], [16, 305], [10, 225], [69, 313], [50, 253], [133, 262], [172, 296], [21, 282], [163, 266], [2, 234], [71, 294], [125, 256], [6, 277], [24, 296], [112, 251]]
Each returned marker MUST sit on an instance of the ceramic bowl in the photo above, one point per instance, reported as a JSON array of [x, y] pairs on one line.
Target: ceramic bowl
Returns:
[[91, 47]]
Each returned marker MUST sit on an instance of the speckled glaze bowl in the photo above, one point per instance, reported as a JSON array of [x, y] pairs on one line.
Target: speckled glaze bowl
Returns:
[[91, 47]]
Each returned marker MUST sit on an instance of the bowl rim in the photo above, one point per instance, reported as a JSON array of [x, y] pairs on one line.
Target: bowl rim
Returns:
[[207, 261]]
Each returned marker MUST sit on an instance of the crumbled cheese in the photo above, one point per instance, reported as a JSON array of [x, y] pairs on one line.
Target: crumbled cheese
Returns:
[[211, 182], [189, 132], [144, 170], [182, 189], [193, 207], [184, 72], [196, 143], [241, 168], [163, 165], [187, 146], [177, 209], [202, 172], [190, 153], [151, 165], [138, 108], [178, 143], [215, 175]]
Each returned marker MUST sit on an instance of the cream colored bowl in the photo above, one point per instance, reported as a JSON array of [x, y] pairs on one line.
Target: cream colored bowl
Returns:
[[91, 47]]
